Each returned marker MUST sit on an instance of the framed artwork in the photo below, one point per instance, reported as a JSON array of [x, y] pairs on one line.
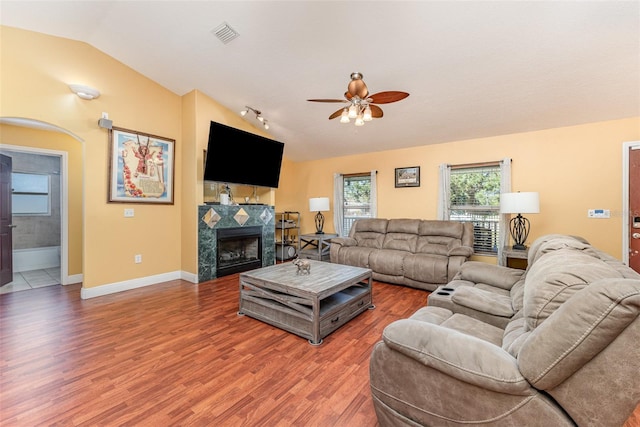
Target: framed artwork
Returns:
[[141, 167], [408, 177]]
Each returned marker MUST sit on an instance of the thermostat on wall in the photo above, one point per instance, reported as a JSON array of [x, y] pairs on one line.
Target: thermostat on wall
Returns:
[[599, 213]]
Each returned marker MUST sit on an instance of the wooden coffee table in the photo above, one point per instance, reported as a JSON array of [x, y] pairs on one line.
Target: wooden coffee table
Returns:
[[311, 306]]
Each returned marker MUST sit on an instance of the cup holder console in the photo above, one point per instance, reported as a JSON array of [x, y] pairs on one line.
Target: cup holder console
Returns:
[[445, 291]]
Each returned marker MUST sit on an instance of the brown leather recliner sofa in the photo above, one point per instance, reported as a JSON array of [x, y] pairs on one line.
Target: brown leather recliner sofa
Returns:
[[568, 354], [418, 253]]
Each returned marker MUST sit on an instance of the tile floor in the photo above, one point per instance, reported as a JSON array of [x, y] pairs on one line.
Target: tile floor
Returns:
[[32, 279]]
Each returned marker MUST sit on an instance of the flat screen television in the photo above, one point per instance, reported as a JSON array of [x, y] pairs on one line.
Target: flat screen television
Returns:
[[238, 157]]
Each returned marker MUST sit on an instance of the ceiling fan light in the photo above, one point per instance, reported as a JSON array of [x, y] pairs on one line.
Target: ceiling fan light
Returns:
[[344, 117], [244, 112], [266, 125], [367, 114], [353, 112], [260, 118], [359, 120]]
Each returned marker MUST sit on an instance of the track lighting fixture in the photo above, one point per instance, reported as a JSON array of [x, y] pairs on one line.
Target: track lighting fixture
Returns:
[[258, 114]]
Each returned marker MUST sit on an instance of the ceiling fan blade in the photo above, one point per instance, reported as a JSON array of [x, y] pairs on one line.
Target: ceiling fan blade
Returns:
[[376, 112], [358, 88], [326, 100], [388, 97], [336, 114]]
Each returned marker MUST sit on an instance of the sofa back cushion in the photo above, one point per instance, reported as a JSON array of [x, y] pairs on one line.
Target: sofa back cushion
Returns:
[[554, 242], [579, 331], [402, 234], [439, 237], [369, 233], [555, 277]]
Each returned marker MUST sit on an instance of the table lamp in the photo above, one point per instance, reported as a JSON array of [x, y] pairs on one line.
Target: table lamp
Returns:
[[519, 203], [319, 204]]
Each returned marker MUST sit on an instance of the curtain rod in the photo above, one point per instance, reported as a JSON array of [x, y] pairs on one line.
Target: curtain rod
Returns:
[[476, 165], [347, 175]]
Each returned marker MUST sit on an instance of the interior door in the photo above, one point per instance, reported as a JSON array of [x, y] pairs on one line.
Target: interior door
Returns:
[[6, 246], [634, 207]]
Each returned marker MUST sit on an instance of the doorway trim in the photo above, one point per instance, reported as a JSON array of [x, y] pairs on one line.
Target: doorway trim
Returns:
[[64, 201], [626, 146]]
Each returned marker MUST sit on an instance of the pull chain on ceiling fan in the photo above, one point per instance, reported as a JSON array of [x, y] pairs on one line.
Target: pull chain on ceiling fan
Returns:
[[362, 108]]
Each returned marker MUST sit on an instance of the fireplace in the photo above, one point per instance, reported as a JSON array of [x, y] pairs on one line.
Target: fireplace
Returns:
[[239, 249], [244, 220]]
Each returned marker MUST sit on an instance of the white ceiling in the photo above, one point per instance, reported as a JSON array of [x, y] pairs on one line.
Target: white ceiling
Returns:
[[473, 69]]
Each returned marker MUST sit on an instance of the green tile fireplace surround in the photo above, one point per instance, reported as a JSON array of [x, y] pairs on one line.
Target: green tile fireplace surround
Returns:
[[212, 218]]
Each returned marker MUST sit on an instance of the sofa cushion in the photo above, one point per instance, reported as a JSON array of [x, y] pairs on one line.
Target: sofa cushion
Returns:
[[387, 261], [402, 234], [369, 233], [441, 228], [439, 237], [554, 242], [555, 277], [485, 301], [421, 266], [579, 330], [367, 239], [481, 272], [514, 334], [354, 255]]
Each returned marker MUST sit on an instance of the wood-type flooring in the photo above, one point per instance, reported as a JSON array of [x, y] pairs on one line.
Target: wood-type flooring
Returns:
[[177, 354]]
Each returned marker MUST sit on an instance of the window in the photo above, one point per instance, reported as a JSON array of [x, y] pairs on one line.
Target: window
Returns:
[[31, 194], [475, 197], [357, 199]]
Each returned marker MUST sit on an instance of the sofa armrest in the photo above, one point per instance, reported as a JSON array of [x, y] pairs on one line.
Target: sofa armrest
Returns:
[[344, 241], [457, 355], [464, 251], [494, 275]]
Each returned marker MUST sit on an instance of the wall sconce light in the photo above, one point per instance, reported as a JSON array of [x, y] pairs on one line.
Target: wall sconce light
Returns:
[[85, 92], [319, 204], [258, 114]]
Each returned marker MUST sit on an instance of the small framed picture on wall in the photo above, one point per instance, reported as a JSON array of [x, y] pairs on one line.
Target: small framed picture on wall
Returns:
[[408, 177]]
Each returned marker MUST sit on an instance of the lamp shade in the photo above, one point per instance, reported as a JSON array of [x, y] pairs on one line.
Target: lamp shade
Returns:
[[519, 203], [319, 204]]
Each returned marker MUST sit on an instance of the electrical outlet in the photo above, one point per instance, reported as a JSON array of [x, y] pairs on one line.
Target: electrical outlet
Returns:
[[137, 259], [128, 213], [105, 115]]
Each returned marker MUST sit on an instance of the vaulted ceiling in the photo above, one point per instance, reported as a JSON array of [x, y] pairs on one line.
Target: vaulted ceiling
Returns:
[[473, 68]]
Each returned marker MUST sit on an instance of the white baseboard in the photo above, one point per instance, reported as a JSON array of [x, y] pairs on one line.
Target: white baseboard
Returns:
[[127, 285], [189, 277], [74, 278], [36, 258]]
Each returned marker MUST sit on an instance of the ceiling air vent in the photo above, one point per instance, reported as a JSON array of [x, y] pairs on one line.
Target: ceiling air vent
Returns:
[[225, 33]]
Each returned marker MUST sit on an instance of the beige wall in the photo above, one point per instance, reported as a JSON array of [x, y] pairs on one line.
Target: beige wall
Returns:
[[573, 168], [35, 72]]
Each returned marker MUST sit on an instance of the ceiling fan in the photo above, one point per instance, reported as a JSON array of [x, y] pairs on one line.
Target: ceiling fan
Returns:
[[362, 106]]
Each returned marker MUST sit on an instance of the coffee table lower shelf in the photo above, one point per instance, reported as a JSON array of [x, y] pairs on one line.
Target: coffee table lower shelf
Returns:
[[307, 316]]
